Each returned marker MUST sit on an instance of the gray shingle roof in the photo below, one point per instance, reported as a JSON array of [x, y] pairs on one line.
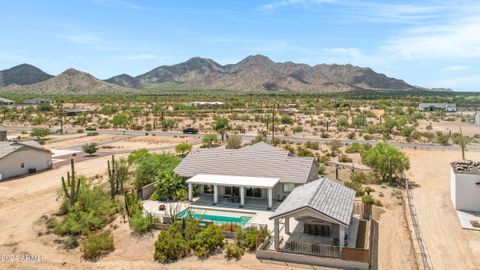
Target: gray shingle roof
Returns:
[[6, 147], [325, 196], [254, 161]]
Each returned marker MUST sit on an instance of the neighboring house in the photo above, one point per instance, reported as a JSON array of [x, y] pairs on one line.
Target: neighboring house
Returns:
[[17, 158], [4, 101], [430, 107], [476, 118], [465, 185], [258, 174], [38, 101], [72, 112], [206, 104]]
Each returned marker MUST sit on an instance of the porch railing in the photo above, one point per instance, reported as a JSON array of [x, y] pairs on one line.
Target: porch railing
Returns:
[[312, 249]]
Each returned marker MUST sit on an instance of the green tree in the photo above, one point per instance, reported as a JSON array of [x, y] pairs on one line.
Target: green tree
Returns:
[[183, 148], [220, 124], [168, 123], [387, 161], [121, 119], [169, 186], [40, 132], [209, 139], [90, 148]]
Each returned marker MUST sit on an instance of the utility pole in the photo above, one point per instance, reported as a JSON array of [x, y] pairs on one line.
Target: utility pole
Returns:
[[462, 144], [61, 118], [273, 124]]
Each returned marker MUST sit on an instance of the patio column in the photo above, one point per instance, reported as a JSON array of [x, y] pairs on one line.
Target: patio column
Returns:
[[215, 194], [287, 225], [341, 236], [190, 192], [276, 233], [242, 196], [270, 198]]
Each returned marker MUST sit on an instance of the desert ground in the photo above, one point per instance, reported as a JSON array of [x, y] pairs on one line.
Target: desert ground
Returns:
[[25, 201], [449, 246]]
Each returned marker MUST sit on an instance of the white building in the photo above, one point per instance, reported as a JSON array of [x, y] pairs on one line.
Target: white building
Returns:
[[4, 101], [17, 158], [476, 118], [465, 185]]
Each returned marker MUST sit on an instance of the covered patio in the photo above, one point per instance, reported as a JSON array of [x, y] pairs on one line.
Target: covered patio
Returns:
[[235, 189]]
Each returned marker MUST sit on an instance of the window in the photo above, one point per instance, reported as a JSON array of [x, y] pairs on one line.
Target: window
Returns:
[[235, 191], [254, 192], [288, 187], [208, 189], [22, 165]]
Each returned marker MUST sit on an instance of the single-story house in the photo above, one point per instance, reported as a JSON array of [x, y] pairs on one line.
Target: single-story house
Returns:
[[465, 185], [17, 158], [73, 112], [38, 101], [4, 101], [430, 107], [258, 174], [206, 104]]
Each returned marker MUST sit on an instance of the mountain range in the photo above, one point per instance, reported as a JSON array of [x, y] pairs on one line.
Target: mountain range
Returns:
[[254, 73]]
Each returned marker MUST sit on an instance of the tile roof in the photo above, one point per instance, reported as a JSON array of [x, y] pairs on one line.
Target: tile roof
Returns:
[[258, 160], [325, 196]]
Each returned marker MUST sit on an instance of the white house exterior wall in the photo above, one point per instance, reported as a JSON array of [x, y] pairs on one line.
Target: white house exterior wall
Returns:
[[10, 165], [465, 193]]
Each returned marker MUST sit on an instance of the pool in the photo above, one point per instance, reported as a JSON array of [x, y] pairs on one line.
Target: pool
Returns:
[[218, 216]]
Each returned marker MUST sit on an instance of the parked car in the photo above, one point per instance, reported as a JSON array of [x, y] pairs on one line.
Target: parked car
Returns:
[[190, 131]]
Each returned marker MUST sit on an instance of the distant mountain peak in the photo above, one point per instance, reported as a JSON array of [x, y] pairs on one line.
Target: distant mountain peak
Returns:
[[22, 74]]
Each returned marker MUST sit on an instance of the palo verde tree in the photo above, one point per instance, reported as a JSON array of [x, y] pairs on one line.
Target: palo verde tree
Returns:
[[40, 132], [183, 148], [71, 187], [220, 124], [385, 160]]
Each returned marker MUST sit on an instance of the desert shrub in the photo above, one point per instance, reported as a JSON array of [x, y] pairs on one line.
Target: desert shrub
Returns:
[[170, 246], [80, 130], [207, 241], [97, 245], [442, 138], [344, 158], [321, 169], [355, 148], [234, 142], [324, 135], [312, 145], [251, 235], [93, 211], [233, 250], [367, 137], [303, 152], [362, 177], [94, 133], [141, 223], [357, 186], [297, 129], [286, 119], [71, 243], [351, 135], [368, 199]]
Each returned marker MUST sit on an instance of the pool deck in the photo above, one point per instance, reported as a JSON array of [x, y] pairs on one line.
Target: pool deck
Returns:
[[261, 217]]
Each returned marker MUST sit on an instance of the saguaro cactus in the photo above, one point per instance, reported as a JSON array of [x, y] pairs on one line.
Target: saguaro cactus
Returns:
[[113, 177], [73, 184]]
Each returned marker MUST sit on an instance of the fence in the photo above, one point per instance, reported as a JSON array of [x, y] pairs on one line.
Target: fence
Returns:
[[427, 263], [373, 244], [312, 249]]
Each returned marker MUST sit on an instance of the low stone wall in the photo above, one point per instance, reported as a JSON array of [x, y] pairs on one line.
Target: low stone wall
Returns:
[[309, 260]]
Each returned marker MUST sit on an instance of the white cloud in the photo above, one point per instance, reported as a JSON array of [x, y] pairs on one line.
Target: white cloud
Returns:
[[467, 83], [456, 68], [457, 39]]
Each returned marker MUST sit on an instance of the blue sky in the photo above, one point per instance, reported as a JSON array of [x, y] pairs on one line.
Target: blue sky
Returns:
[[429, 43]]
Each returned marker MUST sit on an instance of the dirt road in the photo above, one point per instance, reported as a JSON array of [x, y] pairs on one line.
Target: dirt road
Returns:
[[450, 246]]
